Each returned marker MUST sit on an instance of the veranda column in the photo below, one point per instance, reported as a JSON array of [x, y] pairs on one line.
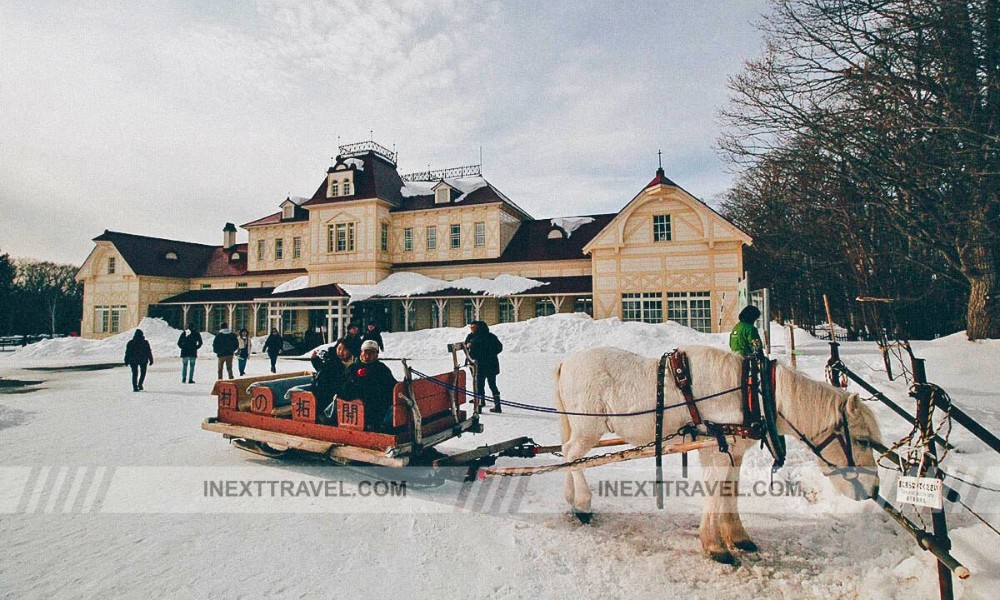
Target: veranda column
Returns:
[[441, 305], [516, 303], [208, 313], [256, 307], [231, 309], [407, 305], [329, 322], [340, 318], [557, 302], [184, 315], [477, 305]]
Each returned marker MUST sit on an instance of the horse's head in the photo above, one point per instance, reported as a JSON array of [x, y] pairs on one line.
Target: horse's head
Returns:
[[836, 426], [845, 450]]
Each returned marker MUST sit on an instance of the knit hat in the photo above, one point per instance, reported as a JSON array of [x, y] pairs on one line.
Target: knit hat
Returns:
[[369, 345]]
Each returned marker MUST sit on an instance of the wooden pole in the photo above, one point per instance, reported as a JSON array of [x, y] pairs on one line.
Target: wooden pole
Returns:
[[926, 427], [829, 316], [622, 456], [791, 342]]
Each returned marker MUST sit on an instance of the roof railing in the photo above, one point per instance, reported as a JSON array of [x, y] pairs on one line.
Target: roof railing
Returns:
[[452, 173], [360, 148]]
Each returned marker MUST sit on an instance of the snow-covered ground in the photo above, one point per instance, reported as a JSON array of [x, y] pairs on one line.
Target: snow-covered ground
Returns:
[[102, 492]]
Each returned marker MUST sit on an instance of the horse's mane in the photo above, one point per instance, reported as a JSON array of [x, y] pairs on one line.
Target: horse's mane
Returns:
[[807, 401]]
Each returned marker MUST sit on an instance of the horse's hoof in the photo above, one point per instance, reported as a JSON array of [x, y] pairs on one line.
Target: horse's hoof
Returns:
[[746, 546], [584, 517], [725, 558]]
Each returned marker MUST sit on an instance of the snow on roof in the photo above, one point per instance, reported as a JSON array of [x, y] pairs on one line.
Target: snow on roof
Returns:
[[404, 284], [466, 185], [570, 224], [298, 200], [357, 163], [293, 284]]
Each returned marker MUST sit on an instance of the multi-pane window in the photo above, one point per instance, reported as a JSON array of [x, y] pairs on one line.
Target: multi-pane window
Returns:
[[241, 284], [409, 318], [260, 249], [407, 239], [107, 319], [456, 236], [289, 320], [279, 249], [442, 195], [544, 307], [111, 265], [692, 309], [468, 311], [385, 237], [645, 307], [347, 188], [506, 311], [481, 233], [661, 228], [584, 305], [334, 188], [296, 247], [432, 237], [340, 237]]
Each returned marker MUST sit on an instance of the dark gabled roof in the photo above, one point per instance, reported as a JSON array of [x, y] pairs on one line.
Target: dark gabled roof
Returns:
[[329, 290], [278, 272], [245, 294], [300, 215], [148, 255], [487, 194], [377, 178], [221, 262], [660, 179], [531, 243]]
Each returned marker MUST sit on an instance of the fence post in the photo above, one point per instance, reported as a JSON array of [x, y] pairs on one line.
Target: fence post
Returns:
[[922, 393], [834, 359]]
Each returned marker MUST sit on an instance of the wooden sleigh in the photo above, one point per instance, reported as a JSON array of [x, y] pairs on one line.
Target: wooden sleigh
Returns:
[[273, 414]]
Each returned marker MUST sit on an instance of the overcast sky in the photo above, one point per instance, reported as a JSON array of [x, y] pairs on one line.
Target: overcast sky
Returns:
[[170, 118]]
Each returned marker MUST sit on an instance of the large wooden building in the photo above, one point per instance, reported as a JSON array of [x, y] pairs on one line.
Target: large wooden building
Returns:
[[665, 256]]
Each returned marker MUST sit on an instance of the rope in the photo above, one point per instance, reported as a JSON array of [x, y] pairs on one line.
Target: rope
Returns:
[[552, 410], [978, 516]]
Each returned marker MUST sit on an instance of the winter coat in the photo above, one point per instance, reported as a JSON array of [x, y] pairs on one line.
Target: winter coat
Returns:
[[225, 343], [484, 347], [243, 347], [372, 383], [138, 352], [189, 343], [273, 344], [353, 342], [744, 339], [374, 334], [330, 377]]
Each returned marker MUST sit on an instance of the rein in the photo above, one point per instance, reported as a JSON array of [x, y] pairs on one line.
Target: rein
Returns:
[[841, 433]]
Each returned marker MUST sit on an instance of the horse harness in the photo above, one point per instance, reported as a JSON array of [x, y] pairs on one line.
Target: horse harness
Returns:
[[759, 408]]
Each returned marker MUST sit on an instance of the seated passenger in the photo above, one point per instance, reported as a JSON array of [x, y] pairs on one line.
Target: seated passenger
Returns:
[[331, 374], [372, 382]]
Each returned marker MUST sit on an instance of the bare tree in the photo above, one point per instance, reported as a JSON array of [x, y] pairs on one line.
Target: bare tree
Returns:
[[52, 285], [902, 98]]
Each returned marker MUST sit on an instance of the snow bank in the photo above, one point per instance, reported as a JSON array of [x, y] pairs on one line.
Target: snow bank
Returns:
[[162, 339], [411, 284]]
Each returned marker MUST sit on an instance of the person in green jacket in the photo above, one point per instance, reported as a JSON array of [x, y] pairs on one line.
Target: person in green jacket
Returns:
[[745, 339]]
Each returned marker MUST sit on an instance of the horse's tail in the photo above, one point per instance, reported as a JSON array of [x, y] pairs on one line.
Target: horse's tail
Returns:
[[564, 426]]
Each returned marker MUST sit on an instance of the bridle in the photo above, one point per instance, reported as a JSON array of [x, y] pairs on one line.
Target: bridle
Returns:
[[841, 433]]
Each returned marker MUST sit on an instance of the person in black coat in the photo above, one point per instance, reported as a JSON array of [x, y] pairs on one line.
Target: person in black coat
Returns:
[[224, 346], [189, 342], [331, 374], [353, 339], [273, 345], [138, 354], [373, 333], [484, 348], [372, 382]]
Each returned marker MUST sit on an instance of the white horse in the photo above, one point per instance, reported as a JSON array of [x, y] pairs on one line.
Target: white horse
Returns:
[[614, 381]]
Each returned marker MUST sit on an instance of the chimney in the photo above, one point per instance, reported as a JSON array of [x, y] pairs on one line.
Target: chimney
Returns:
[[229, 236]]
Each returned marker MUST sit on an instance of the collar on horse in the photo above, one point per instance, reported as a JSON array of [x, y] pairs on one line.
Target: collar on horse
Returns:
[[759, 407]]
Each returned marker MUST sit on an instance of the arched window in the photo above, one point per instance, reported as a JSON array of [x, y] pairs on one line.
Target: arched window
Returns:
[[170, 255]]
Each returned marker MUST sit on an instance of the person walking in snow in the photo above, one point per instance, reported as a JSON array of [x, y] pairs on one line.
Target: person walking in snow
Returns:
[[745, 339], [272, 345], [373, 333], [243, 351], [225, 346], [138, 355], [484, 348], [189, 342]]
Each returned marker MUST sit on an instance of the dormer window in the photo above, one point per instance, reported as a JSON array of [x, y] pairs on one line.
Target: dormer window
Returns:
[[347, 187], [442, 195], [288, 211], [340, 182], [235, 256], [556, 234], [334, 188], [170, 255], [111, 265]]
